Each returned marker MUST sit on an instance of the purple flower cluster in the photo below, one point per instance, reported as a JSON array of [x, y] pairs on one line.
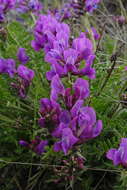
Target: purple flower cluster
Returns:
[[25, 75], [64, 12], [77, 6], [64, 114], [74, 125], [64, 55], [23, 6], [119, 156], [20, 6]]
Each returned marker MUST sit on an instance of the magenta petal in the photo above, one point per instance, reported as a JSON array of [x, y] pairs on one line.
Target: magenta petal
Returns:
[[57, 88], [95, 33], [68, 140], [88, 71], [97, 129], [35, 45], [23, 143], [22, 56], [45, 105], [25, 73], [77, 106], [58, 131], [57, 147], [59, 69], [10, 67], [50, 74], [88, 115], [40, 148], [110, 154], [81, 88], [70, 56], [65, 117], [84, 47], [117, 158]]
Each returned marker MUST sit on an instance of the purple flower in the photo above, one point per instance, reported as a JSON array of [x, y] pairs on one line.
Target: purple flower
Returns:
[[23, 143], [87, 116], [48, 106], [65, 117], [64, 57], [22, 56], [10, 67], [76, 127], [119, 156], [24, 79], [2, 66], [57, 88], [84, 47], [25, 73], [58, 131], [47, 31], [36, 45], [44, 32], [88, 71], [77, 106], [71, 123], [2, 17], [56, 69], [49, 111], [63, 27], [7, 66], [40, 148], [70, 57], [95, 33], [91, 5], [80, 87], [67, 141], [88, 127], [37, 145]]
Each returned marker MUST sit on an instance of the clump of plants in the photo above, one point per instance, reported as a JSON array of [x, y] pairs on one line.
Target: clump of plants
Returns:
[[63, 96]]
